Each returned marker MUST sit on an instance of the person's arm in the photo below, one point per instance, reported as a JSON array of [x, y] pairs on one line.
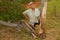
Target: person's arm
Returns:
[[38, 17], [39, 14], [25, 14]]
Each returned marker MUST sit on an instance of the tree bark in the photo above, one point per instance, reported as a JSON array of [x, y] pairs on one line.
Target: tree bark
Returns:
[[43, 15], [8, 24]]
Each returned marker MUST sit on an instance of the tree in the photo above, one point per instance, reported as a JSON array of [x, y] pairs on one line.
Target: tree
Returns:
[[43, 14]]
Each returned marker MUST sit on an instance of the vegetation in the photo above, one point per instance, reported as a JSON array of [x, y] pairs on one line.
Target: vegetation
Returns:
[[12, 9]]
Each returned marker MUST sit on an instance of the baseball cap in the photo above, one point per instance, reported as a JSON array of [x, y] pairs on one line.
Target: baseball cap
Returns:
[[30, 3]]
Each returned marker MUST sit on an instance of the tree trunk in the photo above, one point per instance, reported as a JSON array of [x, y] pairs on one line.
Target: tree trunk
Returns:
[[43, 14], [8, 24]]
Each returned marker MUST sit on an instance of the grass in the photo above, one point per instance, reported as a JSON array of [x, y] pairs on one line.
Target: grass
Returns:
[[52, 26], [11, 33]]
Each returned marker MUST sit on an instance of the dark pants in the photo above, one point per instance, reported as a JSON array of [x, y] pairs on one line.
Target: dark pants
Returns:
[[37, 23], [33, 26]]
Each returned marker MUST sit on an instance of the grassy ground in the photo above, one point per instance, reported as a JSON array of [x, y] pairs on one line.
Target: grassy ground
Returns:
[[53, 20], [11, 33], [52, 26]]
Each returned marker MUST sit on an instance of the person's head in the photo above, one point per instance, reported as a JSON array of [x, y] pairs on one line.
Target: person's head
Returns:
[[32, 5]]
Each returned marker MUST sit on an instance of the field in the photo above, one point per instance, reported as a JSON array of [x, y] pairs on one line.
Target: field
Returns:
[[52, 26]]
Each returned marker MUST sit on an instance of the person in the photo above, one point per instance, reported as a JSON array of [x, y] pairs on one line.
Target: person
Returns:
[[33, 14]]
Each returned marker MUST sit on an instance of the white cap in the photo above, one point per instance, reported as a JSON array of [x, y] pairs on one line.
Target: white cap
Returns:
[[30, 3]]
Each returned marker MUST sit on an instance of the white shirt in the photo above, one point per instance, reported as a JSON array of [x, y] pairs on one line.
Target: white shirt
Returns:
[[33, 15]]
